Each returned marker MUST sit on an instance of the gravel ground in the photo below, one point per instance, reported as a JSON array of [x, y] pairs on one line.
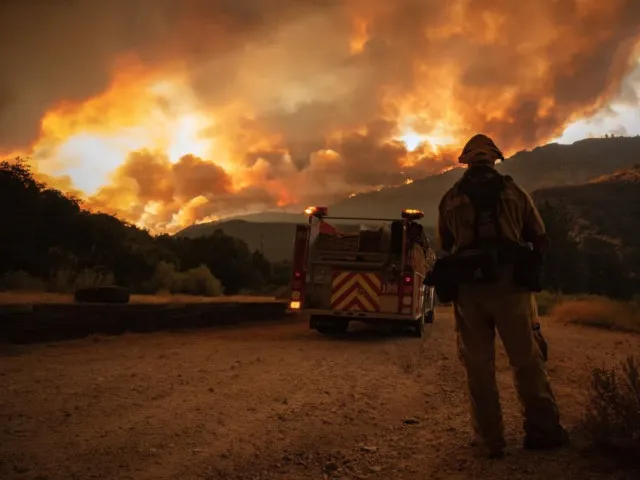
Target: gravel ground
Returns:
[[276, 401]]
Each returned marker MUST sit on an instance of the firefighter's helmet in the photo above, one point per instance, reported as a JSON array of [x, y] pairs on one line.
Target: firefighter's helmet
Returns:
[[480, 149]]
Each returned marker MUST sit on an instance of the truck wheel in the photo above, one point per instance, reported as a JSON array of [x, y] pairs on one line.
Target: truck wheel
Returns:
[[429, 316], [417, 329], [336, 327], [430, 299]]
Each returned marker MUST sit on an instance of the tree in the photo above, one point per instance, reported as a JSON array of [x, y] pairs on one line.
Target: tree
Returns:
[[281, 273], [228, 259], [46, 234], [563, 267], [606, 274]]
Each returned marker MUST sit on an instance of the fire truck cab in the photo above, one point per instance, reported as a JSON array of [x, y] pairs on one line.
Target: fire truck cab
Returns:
[[363, 272]]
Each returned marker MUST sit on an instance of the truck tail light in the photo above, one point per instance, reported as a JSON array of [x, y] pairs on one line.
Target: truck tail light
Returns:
[[294, 305]]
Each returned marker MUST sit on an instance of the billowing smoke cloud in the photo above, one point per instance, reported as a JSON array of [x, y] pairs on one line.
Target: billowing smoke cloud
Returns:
[[296, 100], [169, 195]]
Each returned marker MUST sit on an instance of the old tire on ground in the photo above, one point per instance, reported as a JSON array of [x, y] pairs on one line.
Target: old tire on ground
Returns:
[[111, 294]]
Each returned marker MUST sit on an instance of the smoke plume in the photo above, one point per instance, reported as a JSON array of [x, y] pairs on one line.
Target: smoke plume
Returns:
[[175, 111]]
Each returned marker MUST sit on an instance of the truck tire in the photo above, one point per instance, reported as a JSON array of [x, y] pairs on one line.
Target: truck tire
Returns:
[[429, 316], [417, 329], [336, 327], [430, 299], [111, 295]]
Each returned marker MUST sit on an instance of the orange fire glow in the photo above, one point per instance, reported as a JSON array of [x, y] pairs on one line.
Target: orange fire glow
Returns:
[[328, 104]]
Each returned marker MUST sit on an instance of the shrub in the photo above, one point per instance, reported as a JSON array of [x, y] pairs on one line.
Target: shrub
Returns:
[[62, 281], [612, 418], [282, 292], [67, 280], [22, 281], [546, 301], [599, 312], [89, 278], [163, 278], [196, 281]]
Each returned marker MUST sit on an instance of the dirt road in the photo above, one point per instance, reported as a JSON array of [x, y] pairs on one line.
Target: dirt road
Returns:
[[274, 401]]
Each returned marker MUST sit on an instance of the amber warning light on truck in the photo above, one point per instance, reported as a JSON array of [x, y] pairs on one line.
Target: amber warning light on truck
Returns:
[[317, 211], [411, 214]]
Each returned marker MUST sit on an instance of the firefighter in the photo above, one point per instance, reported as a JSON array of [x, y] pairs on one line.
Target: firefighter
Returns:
[[484, 220]]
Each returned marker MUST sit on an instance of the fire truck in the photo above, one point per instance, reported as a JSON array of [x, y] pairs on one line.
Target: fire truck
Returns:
[[372, 274]]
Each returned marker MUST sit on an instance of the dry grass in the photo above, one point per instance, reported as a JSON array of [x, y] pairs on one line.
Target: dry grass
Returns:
[[196, 281], [599, 312], [613, 412], [51, 298], [547, 301]]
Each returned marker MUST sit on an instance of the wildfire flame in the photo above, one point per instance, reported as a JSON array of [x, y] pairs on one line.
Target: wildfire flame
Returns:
[[360, 36]]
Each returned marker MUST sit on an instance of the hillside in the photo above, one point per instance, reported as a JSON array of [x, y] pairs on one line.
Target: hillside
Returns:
[[602, 216], [549, 166], [261, 217], [608, 206]]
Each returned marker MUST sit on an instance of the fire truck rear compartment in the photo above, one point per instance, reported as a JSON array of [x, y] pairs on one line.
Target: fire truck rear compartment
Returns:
[[365, 272]]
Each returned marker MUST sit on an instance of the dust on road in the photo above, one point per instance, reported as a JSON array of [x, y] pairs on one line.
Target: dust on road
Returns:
[[274, 401]]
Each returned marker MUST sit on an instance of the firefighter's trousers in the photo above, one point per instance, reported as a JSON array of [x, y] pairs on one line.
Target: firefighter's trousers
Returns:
[[480, 310]]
